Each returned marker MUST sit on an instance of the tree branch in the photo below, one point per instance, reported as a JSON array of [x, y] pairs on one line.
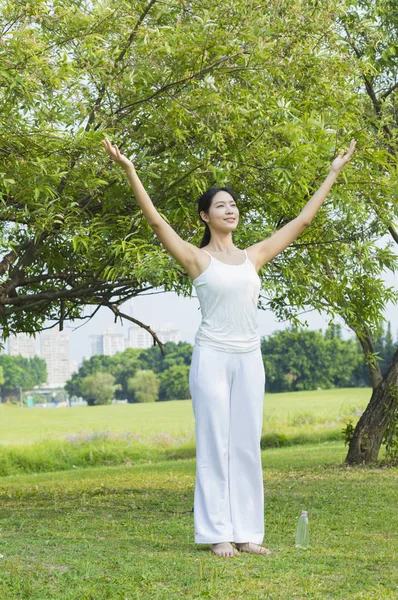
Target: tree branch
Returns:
[[176, 83], [25, 301], [115, 309], [389, 91]]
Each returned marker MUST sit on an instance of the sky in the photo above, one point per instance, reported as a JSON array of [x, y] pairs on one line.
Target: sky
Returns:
[[160, 307]]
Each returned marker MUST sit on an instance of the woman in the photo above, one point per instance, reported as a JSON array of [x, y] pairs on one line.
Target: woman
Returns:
[[227, 377]]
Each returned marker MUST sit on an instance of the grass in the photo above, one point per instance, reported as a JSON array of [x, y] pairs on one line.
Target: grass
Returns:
[[37, 440], [96, 503], [126, 532], [288, 413]]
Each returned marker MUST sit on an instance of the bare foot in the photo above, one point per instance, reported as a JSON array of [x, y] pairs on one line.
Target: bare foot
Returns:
[[252, 548], [224, 549]]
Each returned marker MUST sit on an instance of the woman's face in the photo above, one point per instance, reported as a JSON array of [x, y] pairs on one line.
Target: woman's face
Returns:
[[223, 212]]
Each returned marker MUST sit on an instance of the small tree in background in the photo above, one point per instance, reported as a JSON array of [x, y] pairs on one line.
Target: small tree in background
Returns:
[[174, 383], [20, 372], [144, 385], [99, 363], [98, 388]]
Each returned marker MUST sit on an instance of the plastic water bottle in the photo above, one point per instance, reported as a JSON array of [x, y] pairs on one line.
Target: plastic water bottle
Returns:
[[303, 531]]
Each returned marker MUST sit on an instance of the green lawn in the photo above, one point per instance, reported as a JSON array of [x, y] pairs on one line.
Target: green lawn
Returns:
[[53, 439], [72, 528], [291, 414], [126, 532]]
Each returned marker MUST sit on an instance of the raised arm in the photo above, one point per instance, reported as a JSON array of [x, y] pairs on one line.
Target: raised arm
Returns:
[[264, 251], [181, 250]]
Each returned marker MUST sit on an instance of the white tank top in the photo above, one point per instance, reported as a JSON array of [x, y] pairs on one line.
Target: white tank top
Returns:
[[228, 296]]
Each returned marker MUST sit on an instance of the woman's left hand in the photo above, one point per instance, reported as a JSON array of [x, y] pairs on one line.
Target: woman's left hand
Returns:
[[342, 158]]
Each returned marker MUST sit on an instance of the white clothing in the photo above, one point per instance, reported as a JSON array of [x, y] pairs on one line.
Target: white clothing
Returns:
[[227, 391], [228, 296]]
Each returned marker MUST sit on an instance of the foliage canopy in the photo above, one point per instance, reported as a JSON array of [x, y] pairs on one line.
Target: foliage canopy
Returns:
[[260, 96]]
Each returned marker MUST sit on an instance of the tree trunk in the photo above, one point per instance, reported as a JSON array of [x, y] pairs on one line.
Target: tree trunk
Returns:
[[365, 444]]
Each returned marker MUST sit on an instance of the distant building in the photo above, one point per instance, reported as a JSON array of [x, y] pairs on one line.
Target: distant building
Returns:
[[138, 337], [113, 342], [109, 343], [96, 344], [55, 351], [168, 333], [22, 344]]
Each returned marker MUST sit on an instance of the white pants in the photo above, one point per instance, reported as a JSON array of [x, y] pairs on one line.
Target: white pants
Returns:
[[227, 391]]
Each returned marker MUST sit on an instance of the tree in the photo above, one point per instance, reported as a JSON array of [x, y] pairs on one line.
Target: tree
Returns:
[[144, 385], [196, 94], [333, 332], [124, 366], [370, 29], [174, 383], [389, 347], [90, 366], [299, 359], [98, 388], [20, 372], [38, 371]]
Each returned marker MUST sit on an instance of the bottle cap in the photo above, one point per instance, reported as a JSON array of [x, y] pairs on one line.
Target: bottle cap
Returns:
[[304, 512]]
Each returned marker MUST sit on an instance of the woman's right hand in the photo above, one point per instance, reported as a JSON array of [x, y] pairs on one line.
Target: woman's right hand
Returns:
[[114, 153]]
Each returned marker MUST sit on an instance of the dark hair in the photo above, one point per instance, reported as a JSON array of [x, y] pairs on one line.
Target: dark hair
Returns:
[[204, 204]]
